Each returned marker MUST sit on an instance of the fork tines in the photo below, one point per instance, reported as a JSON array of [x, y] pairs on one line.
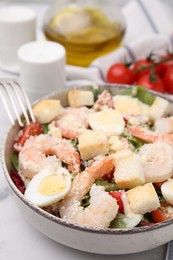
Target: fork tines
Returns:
[[15, 102]]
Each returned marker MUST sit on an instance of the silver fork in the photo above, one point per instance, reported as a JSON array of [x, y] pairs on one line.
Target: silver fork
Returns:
[[15, 101]]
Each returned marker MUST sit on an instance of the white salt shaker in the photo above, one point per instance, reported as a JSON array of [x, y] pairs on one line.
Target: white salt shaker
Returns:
[[17, 27], [42, 68]]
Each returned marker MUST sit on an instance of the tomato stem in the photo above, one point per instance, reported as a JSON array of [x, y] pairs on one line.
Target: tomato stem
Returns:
[[154, 63]]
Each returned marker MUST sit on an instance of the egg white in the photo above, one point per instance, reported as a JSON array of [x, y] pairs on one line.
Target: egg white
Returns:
[[167, 191], [32, 191]]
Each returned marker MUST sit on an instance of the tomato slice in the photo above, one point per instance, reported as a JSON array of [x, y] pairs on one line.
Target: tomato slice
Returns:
[[117, 195], [161, 214], [34, 128]]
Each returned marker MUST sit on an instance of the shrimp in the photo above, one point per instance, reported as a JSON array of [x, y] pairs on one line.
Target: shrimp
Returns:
[[156, 159], [104, 100], [73, 122], [102, 209], [150, 136], [47, 151]]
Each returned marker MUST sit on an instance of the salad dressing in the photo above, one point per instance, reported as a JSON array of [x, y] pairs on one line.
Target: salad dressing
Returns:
[[86, 33]]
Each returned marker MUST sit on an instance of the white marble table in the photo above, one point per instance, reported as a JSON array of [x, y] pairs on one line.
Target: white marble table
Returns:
[[20, 241]]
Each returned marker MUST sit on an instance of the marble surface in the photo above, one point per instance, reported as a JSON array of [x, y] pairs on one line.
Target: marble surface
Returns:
[[20, 241]]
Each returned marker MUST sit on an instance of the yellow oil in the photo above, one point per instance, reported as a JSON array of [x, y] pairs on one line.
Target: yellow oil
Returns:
[[84, 40]]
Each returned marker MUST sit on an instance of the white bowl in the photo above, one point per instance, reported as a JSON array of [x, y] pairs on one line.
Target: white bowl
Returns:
[[95, 240]]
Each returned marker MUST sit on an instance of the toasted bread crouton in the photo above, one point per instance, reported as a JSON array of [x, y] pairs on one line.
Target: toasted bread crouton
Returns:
[[143, 199], [46, 110], [159, 108], [92, 143], [79, 98], [128, 169]]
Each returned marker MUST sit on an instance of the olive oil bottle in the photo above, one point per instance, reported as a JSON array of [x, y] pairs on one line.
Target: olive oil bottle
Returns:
[[86, 31]]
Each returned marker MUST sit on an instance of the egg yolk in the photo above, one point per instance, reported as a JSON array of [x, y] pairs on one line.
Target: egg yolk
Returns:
[[52, 185]]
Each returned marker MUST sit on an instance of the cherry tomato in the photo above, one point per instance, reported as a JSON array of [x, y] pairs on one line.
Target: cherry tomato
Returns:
[[139, 64], [161, 214], [119, 73], [29, 130], [162, 68], [117, 196], [168, 80], [156, 85]]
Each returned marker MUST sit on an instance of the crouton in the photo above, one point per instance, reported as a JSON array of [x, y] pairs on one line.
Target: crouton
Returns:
[[128, 172], [92, 143], [78, 98], [46, 110], [160, 108], [143, 199]]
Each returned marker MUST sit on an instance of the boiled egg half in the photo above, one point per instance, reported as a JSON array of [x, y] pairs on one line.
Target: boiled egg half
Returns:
[[48, 187], [167, 191]]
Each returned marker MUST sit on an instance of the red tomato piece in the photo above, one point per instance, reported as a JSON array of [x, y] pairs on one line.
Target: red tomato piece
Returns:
[[17, 180], [168, 80], [161, 214], [117, 195], [156, 85], [138, 65], [119, 73], [162, 67], [34, 128]]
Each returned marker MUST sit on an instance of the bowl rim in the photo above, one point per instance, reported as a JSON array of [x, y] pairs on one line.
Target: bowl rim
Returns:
[[57, 219]]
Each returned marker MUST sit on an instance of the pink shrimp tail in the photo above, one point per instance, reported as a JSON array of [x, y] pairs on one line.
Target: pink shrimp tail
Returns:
[[150, 136], [70, 157], [100, 169]]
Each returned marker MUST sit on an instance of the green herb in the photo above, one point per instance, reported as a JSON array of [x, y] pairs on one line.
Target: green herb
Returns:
[[45, 128], [141, 93], [137, 143], [144, 96], [73, 176], [132, 91], [74, 143], [95, 92], [108, 186], [86, 201], [15, 160], [118, 222], [148, 217]]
